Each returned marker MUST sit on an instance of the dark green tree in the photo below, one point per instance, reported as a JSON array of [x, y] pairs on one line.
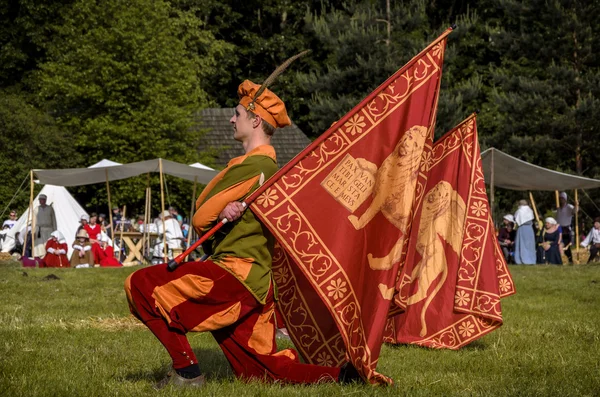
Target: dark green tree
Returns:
[[29, 139], [124, 79]]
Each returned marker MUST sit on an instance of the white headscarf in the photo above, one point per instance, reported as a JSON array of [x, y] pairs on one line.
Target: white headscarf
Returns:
[[524, 214], [550, 220], [59, 236]]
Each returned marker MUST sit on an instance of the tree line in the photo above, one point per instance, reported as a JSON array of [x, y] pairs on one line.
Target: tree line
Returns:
[[82, 80]]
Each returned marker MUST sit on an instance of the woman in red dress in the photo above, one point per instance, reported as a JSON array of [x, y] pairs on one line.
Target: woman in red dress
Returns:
[[56, 251], [106, 253], [94, 229]]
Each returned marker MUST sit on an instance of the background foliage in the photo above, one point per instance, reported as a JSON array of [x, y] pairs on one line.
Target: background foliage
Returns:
[[86, 80]]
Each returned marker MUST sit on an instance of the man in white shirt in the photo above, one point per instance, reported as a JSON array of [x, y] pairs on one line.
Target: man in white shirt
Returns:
[[593, 240], [564, 216], [173, 235], [11, 220]]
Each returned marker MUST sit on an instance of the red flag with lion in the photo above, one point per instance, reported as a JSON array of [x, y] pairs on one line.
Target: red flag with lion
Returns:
[[341, 212]]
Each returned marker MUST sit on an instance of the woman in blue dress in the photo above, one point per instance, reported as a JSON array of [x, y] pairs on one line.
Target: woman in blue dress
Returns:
[[551, 243]]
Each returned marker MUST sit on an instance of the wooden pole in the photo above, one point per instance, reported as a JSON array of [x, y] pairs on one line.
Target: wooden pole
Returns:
[[110, 218], [33, 220], [162, 209], [145, 223], [557, 201], [29, 216], [190, 228], [535, 211], [145, 232], [149, 215], [492, 187], [576, 227]]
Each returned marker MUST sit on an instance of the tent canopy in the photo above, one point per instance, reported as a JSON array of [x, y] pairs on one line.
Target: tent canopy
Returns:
[[514, 174], [98, 173]]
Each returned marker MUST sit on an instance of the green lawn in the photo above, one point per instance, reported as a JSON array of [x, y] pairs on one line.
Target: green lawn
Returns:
[[74, 337]]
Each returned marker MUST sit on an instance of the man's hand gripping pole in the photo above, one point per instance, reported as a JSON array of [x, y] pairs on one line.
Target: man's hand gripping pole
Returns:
[[174, 263]]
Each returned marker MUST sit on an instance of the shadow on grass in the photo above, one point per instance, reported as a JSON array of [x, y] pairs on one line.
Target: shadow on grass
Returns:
[[212, 363]]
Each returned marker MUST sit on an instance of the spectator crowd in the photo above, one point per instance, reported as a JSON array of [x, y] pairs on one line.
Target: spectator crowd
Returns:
[[525, 241]]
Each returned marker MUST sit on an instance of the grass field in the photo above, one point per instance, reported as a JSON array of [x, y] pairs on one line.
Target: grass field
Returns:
[[74, 337]]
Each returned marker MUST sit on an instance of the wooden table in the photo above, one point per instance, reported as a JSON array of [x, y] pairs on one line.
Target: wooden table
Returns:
[[135, 248]]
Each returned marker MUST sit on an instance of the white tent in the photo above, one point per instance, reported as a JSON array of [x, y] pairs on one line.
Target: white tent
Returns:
[[201, 166], [67, 210], [104, 163]]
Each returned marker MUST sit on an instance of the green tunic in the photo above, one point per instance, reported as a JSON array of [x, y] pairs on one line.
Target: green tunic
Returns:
[[243, 247]]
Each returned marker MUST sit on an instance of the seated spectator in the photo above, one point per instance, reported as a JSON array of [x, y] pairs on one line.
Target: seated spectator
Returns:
[[102, 221], [83, 221], [18, 248], [173, 234], [94, 230], [56, 251], [550, 247], [138, 226], [176, 215], [12, 219], [506, 237], [3, 233], [107, 253], [82, 256], [593, 240]]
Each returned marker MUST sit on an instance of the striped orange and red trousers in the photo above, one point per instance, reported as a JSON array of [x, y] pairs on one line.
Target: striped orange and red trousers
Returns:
[[200, 297]]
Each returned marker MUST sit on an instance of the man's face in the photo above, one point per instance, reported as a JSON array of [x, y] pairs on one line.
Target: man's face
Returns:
[[242, 124], [597, 225], [13, 215], [42, 201], [562, 202]]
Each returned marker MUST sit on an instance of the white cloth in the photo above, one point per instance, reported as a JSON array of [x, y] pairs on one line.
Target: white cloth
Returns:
[[565, 214], [174, 236], [152, 228], [523, 214], [593, 237]]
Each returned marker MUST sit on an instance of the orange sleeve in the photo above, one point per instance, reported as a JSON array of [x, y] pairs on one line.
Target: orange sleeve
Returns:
[[208, 212]]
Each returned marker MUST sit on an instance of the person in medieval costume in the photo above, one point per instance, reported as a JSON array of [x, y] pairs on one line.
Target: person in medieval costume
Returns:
[[45, 224], [592, 240], [106, 253], [564, 216], [232, 294], [56, 251], [525, 246], [82, 256], [94, 230], [173, 235]]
